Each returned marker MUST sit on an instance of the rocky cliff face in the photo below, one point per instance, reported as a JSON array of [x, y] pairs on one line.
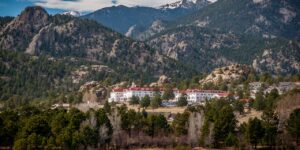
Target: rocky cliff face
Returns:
[[285, 60], [156, 27], [93, 92], [19, 32], [197, 47]]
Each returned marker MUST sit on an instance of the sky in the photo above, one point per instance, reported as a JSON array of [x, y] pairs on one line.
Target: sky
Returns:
[[14, 7]]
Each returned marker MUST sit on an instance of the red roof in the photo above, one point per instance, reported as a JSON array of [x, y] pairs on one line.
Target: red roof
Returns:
[[118, 90], [220, 93], [223, 94], [180, 91], [140, 89], [204, 91]]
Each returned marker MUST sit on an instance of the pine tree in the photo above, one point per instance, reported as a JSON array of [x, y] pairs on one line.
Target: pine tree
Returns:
[[255, 131], [145, 102], [293, 125], [182, 101]]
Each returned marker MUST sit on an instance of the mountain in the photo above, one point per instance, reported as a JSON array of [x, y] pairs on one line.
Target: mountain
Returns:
[[135, 20], [35, 32], [17, 34], [205, 49], [264, 34], [264, 17], [188, 4], [72, 13]]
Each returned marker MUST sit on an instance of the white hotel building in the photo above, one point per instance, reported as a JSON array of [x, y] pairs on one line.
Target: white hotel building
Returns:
[[193, 95], [199, 96]]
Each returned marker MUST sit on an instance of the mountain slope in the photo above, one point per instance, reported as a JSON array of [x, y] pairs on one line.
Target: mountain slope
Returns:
[[37, 33], [187, 4], [282, 58], [205, 49], [267, 18], [136, 20], [263, 33]]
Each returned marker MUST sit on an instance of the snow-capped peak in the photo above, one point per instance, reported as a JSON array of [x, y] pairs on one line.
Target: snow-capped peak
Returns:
[[186, 4], [72, 13], [172, 5]]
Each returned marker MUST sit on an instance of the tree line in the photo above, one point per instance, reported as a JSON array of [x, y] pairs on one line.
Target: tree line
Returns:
[[114, 127]]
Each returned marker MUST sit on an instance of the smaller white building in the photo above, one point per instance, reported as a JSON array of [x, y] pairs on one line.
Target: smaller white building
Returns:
[[199, 96], [254, 88], [117, 95]]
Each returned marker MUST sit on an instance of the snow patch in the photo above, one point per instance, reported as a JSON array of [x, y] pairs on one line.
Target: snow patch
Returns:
[[130, 31], [72, 13]]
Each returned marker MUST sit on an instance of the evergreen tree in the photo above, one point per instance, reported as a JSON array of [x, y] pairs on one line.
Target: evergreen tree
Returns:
[[145, 102], [231, 140], [225, 123], [107, 107], [271, 98], [293, 125], [134, 100], [259, 102], [255, 131], [270, 122], [238, 106], [156, 101], [182, 101], [168, 93], [180, 123]]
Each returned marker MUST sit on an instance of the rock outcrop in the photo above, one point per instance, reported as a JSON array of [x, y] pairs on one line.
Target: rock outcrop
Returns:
[[93, 92], [161, 81], [285, 60], [228, 73], [19, 32]]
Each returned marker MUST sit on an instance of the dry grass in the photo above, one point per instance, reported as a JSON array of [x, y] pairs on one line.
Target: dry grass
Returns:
[[245, 117], [173, 110]]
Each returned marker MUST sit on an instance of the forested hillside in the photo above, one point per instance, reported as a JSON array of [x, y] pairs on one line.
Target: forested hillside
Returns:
[[24, 78], [205, 49], [37, 33]]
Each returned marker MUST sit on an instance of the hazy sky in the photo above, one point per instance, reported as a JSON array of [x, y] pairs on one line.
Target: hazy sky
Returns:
[[14, 7]]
